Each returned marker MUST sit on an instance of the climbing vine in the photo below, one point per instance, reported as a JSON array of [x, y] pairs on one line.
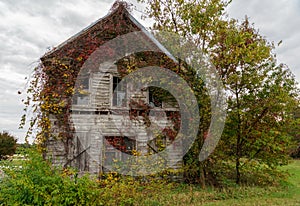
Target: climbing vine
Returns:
[[52, 85]]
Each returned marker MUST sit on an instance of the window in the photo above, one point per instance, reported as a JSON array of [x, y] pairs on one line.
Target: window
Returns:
[[85, 83], [154, 100], [81, 97], [119, 93], [159, 97], [123, 145]]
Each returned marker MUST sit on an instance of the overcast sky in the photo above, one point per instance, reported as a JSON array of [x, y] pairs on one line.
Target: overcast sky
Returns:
[[30, 27]]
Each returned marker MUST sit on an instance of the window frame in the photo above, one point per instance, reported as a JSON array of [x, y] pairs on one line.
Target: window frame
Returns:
[[77, 95], [112, 150], [125, 91]]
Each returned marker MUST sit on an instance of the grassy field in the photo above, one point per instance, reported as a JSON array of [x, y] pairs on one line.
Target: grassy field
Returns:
[[33, 185], [287, 195]]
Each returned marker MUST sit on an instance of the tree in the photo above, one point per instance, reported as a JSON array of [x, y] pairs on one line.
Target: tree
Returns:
[[197, 22], [8, 144], [262, 97], [295, 153], [261, 93]]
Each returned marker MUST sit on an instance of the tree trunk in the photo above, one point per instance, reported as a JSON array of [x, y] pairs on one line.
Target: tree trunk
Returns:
[[237, 168], [202, 176], [238, 140]]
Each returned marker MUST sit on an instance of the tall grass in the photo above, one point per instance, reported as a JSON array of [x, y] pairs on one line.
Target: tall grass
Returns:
[[36, 182]]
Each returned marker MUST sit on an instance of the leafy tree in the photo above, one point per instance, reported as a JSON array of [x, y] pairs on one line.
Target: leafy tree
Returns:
[[23, 146], [8, 144], [262, 97], [261, 93], [296, 134], [196, 21]]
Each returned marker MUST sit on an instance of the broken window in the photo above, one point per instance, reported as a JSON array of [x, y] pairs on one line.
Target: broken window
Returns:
[[119, 93], [123, 145], [81, 96], [159, 97], [154, 100]]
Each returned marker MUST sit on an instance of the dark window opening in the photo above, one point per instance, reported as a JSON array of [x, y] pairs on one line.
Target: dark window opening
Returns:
[[83, 82], [102, 112], [119, 93], [154, 99], [158, 96], [86, 83], [81, 96], [124, 145]]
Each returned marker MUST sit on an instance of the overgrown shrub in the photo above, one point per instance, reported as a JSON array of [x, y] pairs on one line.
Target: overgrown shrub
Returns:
[[34, 181], [8, 144]]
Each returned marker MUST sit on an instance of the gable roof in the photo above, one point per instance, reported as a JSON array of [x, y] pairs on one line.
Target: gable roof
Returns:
[[97, 33]]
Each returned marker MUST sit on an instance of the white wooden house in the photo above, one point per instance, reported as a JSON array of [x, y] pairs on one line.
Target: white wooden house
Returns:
[[97, 112]]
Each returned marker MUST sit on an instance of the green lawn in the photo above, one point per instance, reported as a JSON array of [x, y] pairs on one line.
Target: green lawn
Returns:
[[288, 195]]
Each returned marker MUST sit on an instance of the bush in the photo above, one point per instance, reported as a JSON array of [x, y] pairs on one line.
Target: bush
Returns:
[[35, 182], [8, 145]]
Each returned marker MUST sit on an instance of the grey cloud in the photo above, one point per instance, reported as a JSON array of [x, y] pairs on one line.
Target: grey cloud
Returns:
[[276, 20], [27, 29]]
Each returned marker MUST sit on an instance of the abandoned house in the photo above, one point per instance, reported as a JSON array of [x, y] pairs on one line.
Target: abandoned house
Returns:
[[89, 135]]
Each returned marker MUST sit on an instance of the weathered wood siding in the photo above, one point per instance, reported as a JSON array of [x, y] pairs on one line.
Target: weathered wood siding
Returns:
[[98, 119]]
